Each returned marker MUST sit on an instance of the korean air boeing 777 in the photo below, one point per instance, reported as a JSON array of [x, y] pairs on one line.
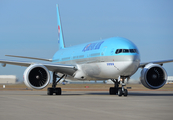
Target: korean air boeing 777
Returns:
[[114, 58]]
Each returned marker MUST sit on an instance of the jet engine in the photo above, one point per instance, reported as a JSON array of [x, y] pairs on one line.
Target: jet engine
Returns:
[[36, 76], [153, 76]]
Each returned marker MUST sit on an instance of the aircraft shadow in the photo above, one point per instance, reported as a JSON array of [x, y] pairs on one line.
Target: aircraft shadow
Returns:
[[107, 93], [149, 94], [130, 94]]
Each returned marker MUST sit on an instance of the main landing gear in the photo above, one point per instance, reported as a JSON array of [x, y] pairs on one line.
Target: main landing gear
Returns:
[[54, 89], [118, 90]]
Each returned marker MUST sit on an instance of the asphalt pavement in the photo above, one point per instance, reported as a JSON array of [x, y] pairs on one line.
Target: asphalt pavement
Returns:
[[86, 105]]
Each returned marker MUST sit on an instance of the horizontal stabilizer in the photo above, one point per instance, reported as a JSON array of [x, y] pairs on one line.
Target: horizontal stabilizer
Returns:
[[50, 60]]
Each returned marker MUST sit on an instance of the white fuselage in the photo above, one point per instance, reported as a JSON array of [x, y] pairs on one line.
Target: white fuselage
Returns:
[[110, 67]]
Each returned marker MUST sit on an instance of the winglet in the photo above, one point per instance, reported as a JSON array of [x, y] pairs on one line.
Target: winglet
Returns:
[[60, 35]]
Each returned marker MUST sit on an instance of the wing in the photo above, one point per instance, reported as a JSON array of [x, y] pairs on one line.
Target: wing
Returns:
[[50, 60], [156, 62], [61, 68]]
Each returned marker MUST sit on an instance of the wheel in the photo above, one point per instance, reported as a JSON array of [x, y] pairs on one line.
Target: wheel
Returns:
[[58, 91], [120, 92], [49, 91], [125, 92], [112, 91]]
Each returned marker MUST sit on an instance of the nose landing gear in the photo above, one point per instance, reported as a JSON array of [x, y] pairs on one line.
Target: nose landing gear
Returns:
[[118, 90]]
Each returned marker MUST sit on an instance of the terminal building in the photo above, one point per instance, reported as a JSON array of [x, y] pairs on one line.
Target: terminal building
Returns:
[[8, 79]]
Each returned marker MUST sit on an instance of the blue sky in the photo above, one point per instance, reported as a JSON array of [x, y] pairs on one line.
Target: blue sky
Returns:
[[29, 27]]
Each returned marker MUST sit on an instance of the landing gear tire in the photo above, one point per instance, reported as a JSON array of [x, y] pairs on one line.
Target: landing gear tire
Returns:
[[49, 91], [120, 92], [125, 92], [57, 91], [112, 91]]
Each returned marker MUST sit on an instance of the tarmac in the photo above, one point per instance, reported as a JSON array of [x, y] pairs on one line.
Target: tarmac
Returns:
[[86, 105]]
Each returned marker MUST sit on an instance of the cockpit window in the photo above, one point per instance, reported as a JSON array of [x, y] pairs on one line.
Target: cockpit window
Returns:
[[132, 50], [118, 51], [126, 51]]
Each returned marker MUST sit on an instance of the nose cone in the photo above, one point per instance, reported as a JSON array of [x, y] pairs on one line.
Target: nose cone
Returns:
[[128, 65], [130, 68]]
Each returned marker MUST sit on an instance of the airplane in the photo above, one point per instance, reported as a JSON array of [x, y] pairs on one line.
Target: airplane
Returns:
[[115, 58]]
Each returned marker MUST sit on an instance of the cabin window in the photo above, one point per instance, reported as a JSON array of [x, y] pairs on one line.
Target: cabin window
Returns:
[[81, 56], [75, 57], [95, 54], [67, 58]]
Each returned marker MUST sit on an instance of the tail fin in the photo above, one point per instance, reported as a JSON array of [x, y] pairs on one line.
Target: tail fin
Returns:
[[60, 35]]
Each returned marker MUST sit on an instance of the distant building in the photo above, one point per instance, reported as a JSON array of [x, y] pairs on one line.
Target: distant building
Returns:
[[131, 81], [170, 80], [8, 79]]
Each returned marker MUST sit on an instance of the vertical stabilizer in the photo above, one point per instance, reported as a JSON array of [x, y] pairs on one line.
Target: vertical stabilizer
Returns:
[[60, 35]]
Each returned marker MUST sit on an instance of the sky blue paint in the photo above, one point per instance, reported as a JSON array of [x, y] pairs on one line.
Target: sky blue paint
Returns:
[[59, 28], [110, 44]]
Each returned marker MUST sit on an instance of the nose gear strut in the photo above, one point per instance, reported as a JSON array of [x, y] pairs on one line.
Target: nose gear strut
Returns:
[[118, 90]]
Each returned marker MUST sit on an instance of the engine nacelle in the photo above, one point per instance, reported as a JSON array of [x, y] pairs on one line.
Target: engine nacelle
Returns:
[[153, 76], [36, 76]]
